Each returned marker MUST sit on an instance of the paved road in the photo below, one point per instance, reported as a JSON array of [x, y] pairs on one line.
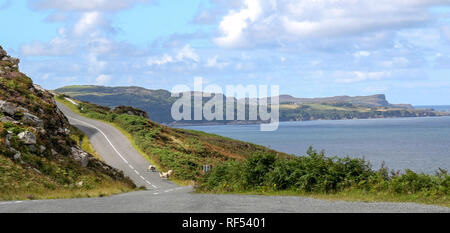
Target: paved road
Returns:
[[164, 196]]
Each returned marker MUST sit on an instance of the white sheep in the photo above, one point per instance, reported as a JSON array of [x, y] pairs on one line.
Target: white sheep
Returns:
[[152, 168], [166, 174]]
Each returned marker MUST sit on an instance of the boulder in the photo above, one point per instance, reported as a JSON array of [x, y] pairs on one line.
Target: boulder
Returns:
[[27, 137], [39, 88], [21, 109], [17, 154], [42, 148], [7, 119], [31, 119], [8, 107], [54, 153], [7, 139], [80, 155]]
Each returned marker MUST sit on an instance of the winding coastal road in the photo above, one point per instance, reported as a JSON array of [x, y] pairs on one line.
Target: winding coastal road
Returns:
[[165, 196]]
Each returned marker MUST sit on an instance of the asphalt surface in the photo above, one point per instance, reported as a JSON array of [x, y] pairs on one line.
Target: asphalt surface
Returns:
[[164, 196]]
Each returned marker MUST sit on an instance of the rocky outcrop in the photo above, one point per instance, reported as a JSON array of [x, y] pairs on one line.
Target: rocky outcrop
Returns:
[[27, 137], [80, 155], [7, 119], [33, 120], [8, 108]]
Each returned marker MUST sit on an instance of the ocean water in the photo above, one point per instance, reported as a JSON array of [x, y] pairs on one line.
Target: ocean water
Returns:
[[419, 144]]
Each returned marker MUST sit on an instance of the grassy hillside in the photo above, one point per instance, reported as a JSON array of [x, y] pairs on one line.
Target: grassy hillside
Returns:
[[244, 168], [158, 103], [339, 111], [38, 156]]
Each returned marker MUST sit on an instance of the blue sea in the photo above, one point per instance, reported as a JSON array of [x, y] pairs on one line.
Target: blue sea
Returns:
[[420, 144]]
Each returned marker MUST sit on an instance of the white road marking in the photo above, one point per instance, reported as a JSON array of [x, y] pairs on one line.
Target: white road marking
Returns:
[[6, 203], [110, 143], [72, 101]]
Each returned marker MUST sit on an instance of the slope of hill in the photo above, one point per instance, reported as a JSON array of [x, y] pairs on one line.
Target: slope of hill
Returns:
[[38, 157], [157, 103]]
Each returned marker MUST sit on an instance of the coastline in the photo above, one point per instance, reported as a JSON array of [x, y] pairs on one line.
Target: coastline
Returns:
[[212, 123]]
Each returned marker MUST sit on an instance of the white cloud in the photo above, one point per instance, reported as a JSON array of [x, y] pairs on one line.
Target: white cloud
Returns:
[[95, 65], [60, 45], [361, 54], [160, 61], [184, 55], [88, 22], [212, 62], [103, 79], [287, 21], [396, 62], [188, 53], [233, 25], [359, 76]]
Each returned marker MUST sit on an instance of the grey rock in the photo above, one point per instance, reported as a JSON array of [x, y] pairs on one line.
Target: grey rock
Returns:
[[31, 119], [8, 107], [27, 137], [39, 88], [21, 109], [7, 119], [36, 170], [54, 152], [7, 139], [13, 60], [80, 155], [17, 154], [42, 148]]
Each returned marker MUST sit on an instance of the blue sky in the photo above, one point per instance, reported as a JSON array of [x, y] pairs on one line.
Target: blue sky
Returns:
[[310, 48]]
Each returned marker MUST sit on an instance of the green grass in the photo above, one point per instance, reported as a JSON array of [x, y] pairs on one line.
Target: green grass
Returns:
[[318, 176], [46, 179]]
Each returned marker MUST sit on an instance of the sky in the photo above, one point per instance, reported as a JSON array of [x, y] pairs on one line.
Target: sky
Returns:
[[310, 48]]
